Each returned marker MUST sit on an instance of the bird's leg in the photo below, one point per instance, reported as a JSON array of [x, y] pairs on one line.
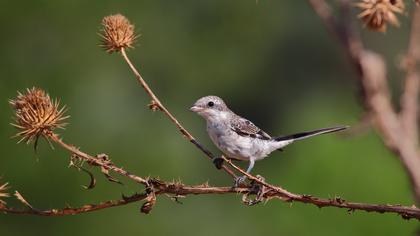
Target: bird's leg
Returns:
[[241, 180]]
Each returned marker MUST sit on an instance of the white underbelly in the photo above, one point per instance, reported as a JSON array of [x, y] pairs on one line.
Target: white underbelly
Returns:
[[240, 147]]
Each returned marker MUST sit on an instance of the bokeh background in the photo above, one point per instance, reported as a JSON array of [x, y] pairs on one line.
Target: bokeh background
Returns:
[[272, 61]]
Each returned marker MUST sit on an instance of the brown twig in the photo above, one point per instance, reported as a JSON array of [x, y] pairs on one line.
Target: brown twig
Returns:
[[107, 164], [404, 211], [157, 103], [71, 210], [179, 189], [399, 131], [258, 180]]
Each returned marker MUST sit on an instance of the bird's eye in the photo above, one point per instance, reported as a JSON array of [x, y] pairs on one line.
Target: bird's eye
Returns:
[[210, 104]]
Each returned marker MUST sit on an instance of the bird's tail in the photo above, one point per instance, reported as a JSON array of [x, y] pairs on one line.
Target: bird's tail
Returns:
[[303, 135]]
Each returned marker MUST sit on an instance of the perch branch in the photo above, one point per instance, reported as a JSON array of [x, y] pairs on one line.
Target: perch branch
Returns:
[[179, 189], [161, 107]]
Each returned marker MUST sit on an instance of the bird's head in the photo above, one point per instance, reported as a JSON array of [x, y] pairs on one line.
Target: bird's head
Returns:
[[210, 107]]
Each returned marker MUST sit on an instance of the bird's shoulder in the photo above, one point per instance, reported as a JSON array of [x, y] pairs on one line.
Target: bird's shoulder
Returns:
[[244, 127]]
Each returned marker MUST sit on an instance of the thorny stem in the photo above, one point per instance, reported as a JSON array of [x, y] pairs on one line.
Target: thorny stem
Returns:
[[74, 211], [96, 161], [161, 107], [404, 211], [180, 190], [175, 189]]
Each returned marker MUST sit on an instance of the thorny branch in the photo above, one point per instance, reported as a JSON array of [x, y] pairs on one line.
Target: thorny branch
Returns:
[[372, 80], [271, 192], [73, 211], [399, 130]]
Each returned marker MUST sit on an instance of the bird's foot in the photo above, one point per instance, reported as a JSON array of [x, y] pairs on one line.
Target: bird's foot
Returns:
[[257, 186], [257, 191], [218, 162], [240, 181]]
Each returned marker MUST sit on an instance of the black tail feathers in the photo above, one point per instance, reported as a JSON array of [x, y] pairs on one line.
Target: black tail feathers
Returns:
[[308, 134]]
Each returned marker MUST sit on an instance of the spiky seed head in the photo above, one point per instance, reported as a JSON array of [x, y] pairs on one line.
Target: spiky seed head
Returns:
[[36, 115], [376, 14], [3, 193], [117, 33]]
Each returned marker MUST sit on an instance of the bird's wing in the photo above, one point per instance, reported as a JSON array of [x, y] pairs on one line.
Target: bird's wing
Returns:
[[244, 127]]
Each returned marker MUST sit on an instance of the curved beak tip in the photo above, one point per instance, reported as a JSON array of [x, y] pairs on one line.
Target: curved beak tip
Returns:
[[194, 109]]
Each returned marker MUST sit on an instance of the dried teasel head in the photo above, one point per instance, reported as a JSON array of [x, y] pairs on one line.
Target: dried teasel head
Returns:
[[3, 193], [117, 33], [376, 14], [36, 115]]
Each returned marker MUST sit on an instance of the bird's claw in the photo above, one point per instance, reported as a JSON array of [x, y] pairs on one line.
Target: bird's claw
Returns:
[[218, 162], [239, 181], [257, 186]]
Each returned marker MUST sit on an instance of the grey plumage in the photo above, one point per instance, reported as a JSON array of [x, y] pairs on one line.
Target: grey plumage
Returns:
[[238, 138], [245, 127]]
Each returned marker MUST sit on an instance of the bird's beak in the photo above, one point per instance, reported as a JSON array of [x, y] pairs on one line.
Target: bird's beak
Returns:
[[196, 109]]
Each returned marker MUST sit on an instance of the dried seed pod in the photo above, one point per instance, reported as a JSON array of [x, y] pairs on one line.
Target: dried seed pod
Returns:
[[36, 115], [376, 14], [117, 33]]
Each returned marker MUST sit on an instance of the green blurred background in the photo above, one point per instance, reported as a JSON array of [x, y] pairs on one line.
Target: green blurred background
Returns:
[[272, 61]]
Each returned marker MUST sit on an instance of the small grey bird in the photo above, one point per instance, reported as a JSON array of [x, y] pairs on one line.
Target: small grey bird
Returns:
[[238, 138]]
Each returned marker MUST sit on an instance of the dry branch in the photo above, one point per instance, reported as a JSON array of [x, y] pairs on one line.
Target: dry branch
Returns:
[[97, 161], [179, 189]]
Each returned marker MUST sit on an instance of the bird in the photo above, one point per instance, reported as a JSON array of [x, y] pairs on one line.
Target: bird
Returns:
[[239, 139]]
